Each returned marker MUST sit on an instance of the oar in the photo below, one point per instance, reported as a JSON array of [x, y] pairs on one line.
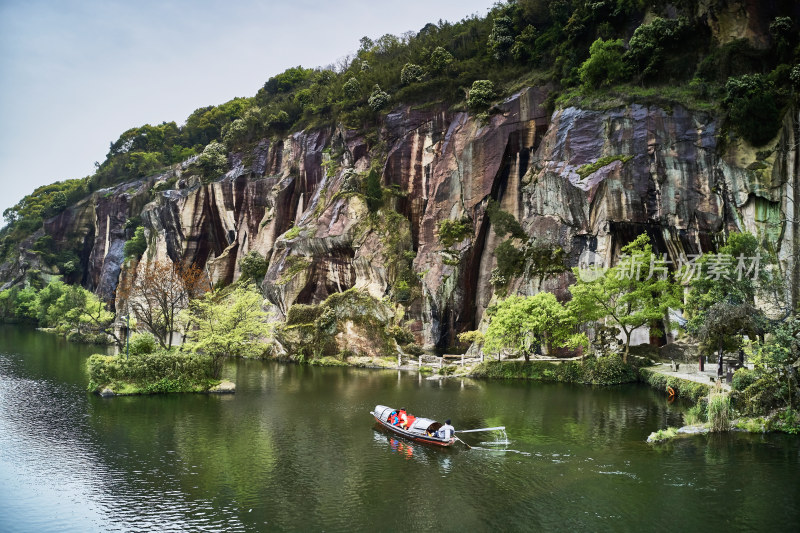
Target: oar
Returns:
[[498, 428], [464, 443]]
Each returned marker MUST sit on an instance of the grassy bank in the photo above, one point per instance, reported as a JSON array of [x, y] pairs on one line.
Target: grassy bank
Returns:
[[608, 370], [684, 388], [159, 372], [354, 361]]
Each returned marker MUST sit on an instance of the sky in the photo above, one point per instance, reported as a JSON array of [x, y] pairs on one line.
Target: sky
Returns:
[[74, 75]]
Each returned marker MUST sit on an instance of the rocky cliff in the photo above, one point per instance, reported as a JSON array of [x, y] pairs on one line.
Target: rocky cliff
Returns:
[[300, 202]]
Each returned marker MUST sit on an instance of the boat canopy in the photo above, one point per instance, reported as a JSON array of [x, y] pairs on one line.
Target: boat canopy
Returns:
[[425, 424], [382, 412]]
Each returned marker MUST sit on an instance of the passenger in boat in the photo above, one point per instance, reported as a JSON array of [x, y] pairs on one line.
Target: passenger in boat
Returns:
[[403, 418], [410, 420], [393, 420], [446, 431]]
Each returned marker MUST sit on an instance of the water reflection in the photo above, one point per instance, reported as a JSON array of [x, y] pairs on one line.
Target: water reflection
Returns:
[[401, 447], [430, 456], [296, 449]]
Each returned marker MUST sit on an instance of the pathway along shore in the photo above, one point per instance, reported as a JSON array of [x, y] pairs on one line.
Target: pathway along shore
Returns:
[[690, 373]]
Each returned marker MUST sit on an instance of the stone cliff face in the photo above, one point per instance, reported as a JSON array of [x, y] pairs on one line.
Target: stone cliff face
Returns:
[[675, 182], [299, 202]]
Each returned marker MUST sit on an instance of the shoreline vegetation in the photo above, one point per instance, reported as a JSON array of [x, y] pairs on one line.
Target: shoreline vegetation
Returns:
[[181, 372]]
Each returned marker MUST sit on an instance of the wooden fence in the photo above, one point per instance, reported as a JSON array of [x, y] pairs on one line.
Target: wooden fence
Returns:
[[440, 361]]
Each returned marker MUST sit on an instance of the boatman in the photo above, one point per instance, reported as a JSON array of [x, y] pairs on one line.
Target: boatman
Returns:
[[446, 431]]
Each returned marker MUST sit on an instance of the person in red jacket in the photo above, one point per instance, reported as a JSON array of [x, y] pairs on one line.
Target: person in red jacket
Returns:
[[403, 417]]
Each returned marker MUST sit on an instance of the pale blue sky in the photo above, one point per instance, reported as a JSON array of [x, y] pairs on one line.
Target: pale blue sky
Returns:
[[75, 74]]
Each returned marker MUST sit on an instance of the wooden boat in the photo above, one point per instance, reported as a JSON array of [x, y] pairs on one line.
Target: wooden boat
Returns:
[[421, 430]]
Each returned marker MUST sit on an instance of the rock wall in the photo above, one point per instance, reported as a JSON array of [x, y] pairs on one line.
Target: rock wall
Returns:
[[300, 202]]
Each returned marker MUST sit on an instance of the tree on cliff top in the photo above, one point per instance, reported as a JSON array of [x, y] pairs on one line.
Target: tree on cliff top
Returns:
[[605, 64], [630, 294]]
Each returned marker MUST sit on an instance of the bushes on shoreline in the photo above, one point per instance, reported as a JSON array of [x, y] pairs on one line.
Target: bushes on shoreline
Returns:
[[685, 389], [608, 370], [67, 310]]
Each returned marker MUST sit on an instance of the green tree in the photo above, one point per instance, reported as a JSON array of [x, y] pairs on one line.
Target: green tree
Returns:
[[253, 266], [650, 43], [605, 64], [451, 232], [627, 294], [473, 336], [214, 160], [752, 108], [783, 349], [794, 77], [439, 60], [249, 127], [303, 98], [501, 39], [784, 36], [352, 89], [280, 120], [378, 99], [86, 311], [524, 48], [373, 191], [287, 80], [27, 305], [135, 247], [411, 73], [480, 95], [523, 323], [725, 324], [234, 326], [48, 296], [773, 381], [77, 310], [707, 288], [141, 164], [8, 300], [143, 343]]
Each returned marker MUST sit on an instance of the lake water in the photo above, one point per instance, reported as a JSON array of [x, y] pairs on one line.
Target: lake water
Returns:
[[295, 449]]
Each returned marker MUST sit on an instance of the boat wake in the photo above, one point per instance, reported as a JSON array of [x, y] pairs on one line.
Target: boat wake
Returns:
[[499, 450], [505, 442]]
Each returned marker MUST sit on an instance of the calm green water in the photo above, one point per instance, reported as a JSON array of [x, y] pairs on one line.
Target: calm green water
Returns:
[[295, 449]]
